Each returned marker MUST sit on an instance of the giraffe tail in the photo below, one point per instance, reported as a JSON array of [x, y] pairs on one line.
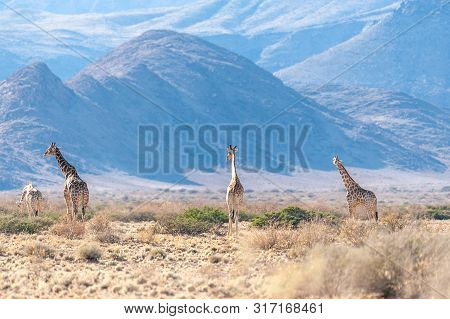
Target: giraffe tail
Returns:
[[376, 216]]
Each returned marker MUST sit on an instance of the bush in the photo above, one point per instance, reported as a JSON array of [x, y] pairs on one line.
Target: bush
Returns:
[[68, 228], [290, 217], [404, 264], [439, 212], [393, 221], [355, 232], [273, 238], [89, 252], [16, 225], [147, 234], [246, 217], [39, 249], [194, 221], [100, 227]]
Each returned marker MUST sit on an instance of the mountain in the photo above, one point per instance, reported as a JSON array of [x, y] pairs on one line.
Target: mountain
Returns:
[[36, 108], [271, 33], [164, 77], [409, 121], [407, 52], [202, 83]]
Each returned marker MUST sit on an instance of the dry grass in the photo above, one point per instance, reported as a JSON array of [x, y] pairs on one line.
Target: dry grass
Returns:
[[100, 227], [38, 249], [406, 264], [273, 238], [356, 232], [89, 252], [394, 221], [68, 228], [405, 255], [147, 234]]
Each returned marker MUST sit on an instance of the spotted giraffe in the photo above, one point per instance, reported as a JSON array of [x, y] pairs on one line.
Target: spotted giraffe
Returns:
[[76, 192], [33, 200], [356, 195], [235, 193]]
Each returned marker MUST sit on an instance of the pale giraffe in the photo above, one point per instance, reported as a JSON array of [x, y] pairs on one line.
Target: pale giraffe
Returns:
[[235, 193], [356, 195], [33, 200], [75, 189]]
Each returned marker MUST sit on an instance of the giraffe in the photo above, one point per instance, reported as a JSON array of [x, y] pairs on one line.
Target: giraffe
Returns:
[[235, 193], [33, 200], [356, 195], [75, 189]]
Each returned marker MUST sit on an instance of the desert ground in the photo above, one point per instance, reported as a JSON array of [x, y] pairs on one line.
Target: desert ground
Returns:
[[130, 247]]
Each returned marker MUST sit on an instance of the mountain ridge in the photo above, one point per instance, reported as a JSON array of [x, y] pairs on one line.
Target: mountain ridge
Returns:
[[95, 115], [406, 52]]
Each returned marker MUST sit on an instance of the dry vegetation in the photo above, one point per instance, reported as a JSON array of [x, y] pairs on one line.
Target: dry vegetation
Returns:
[[179, 250]]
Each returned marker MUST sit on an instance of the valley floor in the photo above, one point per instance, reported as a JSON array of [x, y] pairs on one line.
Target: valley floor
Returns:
[[402, 256]]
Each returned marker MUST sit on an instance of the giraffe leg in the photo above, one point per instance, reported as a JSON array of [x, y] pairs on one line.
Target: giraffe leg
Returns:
[[352, 210], [375, 210], [28, 209], [371, 209], [40, 207], [74, 210], [236, 219], [67, 198], [229, 219], [85, 203]]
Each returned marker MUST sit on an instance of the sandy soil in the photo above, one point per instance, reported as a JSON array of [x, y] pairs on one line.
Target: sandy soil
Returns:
[[205, 266]]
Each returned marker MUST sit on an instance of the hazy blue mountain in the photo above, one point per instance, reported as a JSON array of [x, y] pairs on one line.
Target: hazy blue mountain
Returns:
[[409, 121], [94, 116], [36, 108], [274, 34], [416, 62]]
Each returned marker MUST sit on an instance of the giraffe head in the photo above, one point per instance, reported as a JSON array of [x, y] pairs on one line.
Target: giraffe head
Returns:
[[51, 150], [336, 160], [231, 152]]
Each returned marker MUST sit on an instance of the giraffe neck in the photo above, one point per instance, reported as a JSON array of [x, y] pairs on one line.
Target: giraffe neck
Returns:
[[233, 168], [64, 166], [346, 178]]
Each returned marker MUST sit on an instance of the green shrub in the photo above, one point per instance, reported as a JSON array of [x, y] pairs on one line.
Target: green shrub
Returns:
[[194, 221], [206, 214], [246, 217], [439, 212], [291, 217], [14, 225], [287, 217]]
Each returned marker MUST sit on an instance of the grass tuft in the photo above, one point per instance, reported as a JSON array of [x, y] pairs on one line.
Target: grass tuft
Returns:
[[89, 252], [68, 228], [100, 227], [39, 249]]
